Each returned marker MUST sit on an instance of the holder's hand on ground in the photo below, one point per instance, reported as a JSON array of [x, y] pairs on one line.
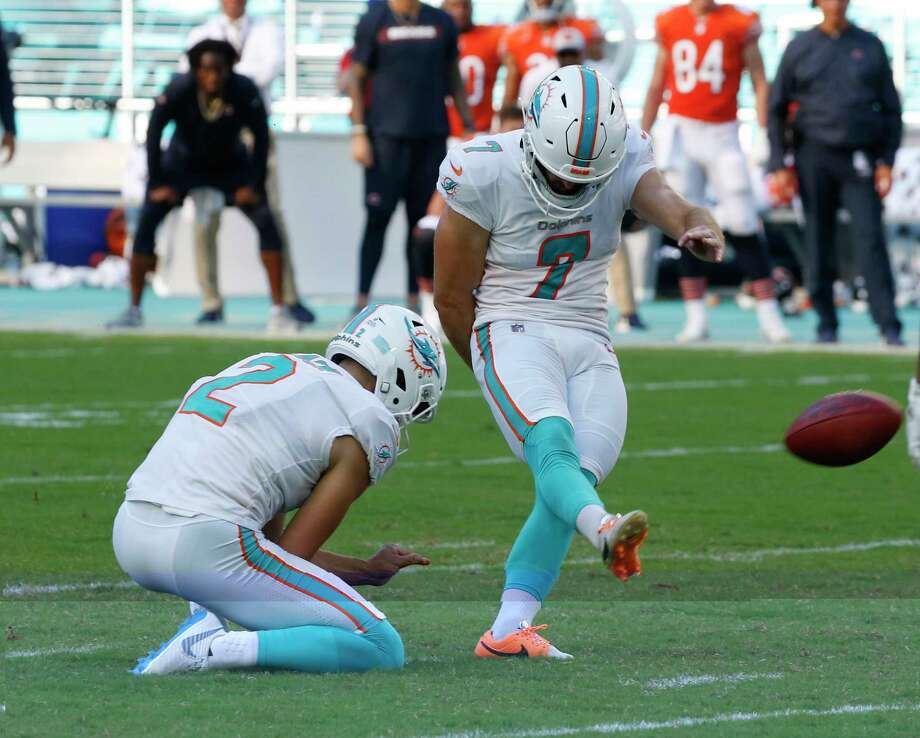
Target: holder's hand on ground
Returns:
[[704, 243], [361, 150], [387, 562], [165, 193], [246, 197]]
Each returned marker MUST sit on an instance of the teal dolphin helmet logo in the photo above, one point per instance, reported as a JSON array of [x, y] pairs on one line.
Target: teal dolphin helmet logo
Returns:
[[383, 453], [423, 353]]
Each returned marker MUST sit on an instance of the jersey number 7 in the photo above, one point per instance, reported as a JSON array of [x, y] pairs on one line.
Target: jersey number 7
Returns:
[[560, 254]]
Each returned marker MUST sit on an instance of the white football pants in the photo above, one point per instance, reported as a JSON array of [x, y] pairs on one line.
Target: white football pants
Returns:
[[530, 370], [233, 571], [694, 154]]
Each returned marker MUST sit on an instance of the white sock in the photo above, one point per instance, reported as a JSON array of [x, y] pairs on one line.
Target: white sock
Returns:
[[588, 521], [768, 310], [237, 649], [696, 312], [517, 606]]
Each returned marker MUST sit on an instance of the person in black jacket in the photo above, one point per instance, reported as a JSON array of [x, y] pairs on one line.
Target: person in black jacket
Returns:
[[845, 132], [210, 106], [7, 111], [404, 64]]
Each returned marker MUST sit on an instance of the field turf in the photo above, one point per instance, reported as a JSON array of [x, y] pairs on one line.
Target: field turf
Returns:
[[779, 599]]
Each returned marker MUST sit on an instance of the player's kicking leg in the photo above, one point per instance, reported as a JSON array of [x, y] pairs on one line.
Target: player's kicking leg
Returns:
[[913, 417], [525, 377]]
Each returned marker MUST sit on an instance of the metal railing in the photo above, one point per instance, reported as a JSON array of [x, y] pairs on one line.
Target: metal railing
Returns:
[[77, 53]]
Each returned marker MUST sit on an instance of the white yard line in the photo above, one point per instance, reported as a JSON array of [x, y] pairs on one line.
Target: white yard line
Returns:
[[744, 557], [693, 680], [686, 722], [651, 453], [25, 590], [704, 384], [50, 651], [61, 479]]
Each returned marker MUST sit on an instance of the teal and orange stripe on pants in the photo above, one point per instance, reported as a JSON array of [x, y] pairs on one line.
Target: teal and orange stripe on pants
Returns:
[[264, 561], [518, 422]]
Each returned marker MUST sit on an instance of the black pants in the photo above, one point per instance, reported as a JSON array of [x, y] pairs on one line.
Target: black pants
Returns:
[[404, 169], [751, 258], [829, 180], [153, 213]]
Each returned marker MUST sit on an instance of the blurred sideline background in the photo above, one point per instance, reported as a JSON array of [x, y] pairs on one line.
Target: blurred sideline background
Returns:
[[87, 71]]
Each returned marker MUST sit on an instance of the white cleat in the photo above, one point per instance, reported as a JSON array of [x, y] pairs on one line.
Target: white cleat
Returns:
[[913, 422], [771, 322], [194, 608], [693, 333], [187, 650], [281, 322]]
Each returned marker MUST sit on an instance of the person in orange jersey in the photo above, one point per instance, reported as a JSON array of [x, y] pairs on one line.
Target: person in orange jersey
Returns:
[[704, 47], [480, 59], [530, 43]]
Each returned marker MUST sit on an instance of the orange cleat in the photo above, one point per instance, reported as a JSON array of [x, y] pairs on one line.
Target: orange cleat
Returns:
[[524, 643], [622, 536]]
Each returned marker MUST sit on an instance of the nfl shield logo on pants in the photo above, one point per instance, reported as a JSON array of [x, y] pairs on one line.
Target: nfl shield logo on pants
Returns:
[[517, 328]]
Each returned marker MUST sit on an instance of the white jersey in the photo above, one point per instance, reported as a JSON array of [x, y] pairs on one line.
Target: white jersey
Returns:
[[254, 440], [539, 267]]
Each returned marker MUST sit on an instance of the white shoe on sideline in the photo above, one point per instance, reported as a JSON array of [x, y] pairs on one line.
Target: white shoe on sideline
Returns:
[[187, 650], [913, 422], [771, 322], [281, 322], [693, 333], [429, 312]]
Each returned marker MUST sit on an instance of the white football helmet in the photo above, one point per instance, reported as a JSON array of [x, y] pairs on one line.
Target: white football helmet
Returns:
[[403, 352], [546, 14], [575, 127]]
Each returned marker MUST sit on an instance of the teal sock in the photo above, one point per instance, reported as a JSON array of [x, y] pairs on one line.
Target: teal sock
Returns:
[[563, 489], [553, 458], [325, 649], [538, 552]]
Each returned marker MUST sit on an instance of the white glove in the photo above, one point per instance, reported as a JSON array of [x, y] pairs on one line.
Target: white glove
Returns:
[[913, 422]]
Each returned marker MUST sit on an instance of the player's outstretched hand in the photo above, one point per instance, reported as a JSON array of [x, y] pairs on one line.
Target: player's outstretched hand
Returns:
[[703, 243], [392, 557]]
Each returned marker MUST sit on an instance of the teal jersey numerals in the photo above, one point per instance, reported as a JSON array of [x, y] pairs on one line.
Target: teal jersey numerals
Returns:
[[491, 147], [560, 254], [317, 362], [266, 370]]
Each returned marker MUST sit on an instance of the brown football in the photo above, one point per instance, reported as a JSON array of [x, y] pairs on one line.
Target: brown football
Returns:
[[844, 428]]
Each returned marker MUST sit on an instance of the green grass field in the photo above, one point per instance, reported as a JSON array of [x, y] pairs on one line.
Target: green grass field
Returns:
[[779, 599]]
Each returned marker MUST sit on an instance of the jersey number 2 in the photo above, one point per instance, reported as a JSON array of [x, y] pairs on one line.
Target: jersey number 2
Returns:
[[560, 254], [202, 402]]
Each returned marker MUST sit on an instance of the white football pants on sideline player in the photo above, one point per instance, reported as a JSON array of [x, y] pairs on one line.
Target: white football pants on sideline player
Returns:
[[695, 154]]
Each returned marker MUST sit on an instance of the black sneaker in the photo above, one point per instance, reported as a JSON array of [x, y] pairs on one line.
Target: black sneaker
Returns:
[[826, 335], [211, 316], [892, 337], [301, 313]]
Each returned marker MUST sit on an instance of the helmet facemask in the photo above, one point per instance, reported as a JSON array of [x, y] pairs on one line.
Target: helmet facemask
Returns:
[[548, 200], [574, 129]]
